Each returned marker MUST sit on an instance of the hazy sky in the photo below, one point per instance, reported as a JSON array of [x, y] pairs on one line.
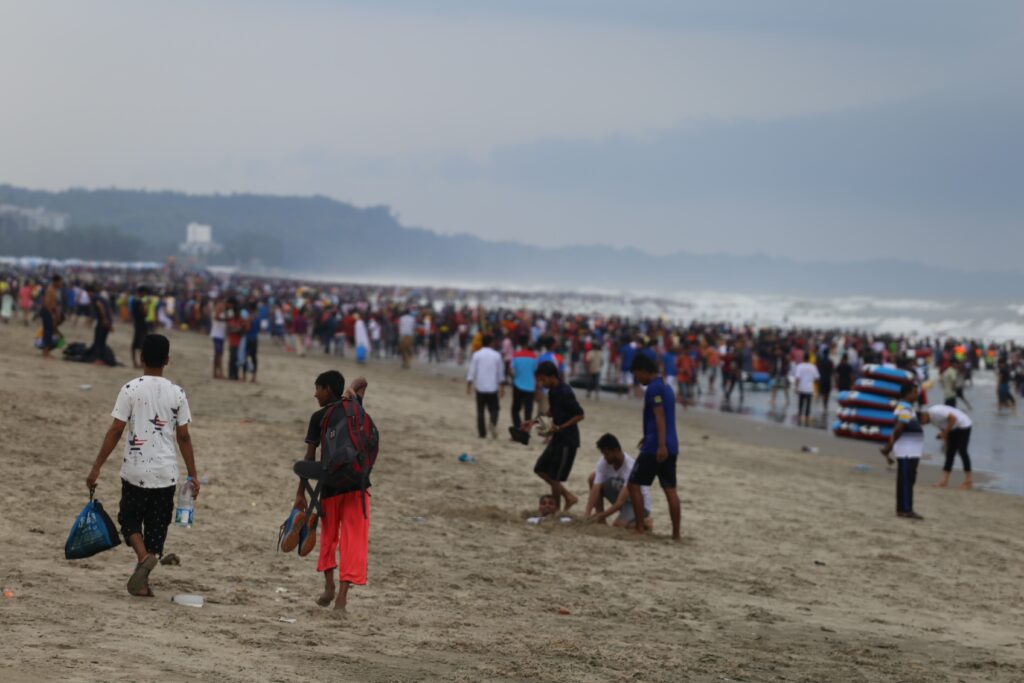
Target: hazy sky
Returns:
[[802, 128]]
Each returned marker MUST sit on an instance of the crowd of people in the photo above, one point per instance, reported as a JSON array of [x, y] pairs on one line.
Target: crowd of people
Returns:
[[540, 356]]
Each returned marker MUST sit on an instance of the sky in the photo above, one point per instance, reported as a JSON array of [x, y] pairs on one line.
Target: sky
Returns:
[[797, 128]]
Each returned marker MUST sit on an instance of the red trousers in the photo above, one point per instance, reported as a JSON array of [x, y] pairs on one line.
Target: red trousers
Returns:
[[345, 532]]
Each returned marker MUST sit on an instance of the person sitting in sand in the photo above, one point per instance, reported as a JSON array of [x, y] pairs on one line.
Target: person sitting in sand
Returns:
[[157, 414], [555, 463], [344, 539], [608, 482]]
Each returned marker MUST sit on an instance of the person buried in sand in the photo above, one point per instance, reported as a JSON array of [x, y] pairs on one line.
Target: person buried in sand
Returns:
[[609, 483], [547, 506], [555, 463], [157, 416], [659, 449], [344, 541]]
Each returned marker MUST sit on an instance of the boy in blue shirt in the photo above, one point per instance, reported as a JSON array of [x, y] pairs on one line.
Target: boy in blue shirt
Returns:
[[659, 448]]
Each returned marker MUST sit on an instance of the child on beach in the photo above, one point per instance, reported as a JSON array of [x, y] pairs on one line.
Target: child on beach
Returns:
[[555, 463], [907, 444], [659, 448], [156, 412], [345, 537]]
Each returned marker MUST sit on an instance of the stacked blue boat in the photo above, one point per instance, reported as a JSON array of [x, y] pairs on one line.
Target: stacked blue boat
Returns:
[[866, 412]]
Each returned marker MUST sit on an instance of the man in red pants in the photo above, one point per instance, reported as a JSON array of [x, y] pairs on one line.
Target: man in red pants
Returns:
[[345, 534]]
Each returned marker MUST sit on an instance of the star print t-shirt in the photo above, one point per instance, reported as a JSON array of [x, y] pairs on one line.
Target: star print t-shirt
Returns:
[[152, 408]]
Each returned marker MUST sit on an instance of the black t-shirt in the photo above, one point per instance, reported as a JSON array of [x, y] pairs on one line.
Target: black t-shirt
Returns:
[[313, 437], [564, 407], [825, 366], [844, 376], [139, 312]]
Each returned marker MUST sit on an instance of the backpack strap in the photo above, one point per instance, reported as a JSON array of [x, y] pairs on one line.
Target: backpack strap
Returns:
[[357, 439]]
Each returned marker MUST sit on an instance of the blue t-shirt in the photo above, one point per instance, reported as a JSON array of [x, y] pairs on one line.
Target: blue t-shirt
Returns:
[[669, 361], [554, 358], [524, 366], [659, 394], [628, 353]]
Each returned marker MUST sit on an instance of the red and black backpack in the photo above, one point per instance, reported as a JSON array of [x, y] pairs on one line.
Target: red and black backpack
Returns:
[[349, 442]]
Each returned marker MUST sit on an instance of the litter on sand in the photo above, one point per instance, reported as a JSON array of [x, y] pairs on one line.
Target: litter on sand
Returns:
[[286, 620], [188, 600]]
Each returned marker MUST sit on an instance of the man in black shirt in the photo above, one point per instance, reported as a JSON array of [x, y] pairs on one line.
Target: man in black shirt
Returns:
[[555, 463], [844, 374], [104, 324]]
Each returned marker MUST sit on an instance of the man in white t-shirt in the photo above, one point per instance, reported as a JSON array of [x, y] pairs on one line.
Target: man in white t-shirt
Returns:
[[955, 430], [487, 375], [157, 416], [609, 483], [805, 375]]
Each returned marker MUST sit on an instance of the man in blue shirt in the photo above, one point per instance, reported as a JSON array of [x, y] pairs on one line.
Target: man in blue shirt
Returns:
[[524, 385], [659, 449]]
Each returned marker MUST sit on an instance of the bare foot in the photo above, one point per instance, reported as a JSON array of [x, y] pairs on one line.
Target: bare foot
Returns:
[[940, 485], [966, 486], [339, 604], [325, 598], [570, 500]]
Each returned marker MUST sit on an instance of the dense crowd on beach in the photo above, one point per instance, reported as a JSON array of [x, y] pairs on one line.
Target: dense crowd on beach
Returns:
[[437, 325]]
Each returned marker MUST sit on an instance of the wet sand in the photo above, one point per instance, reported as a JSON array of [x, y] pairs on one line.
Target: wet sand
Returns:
[[793, 568]]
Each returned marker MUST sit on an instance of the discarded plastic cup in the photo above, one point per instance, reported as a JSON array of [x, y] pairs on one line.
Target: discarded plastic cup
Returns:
[[861, 468], [189, 600], [466, 457]]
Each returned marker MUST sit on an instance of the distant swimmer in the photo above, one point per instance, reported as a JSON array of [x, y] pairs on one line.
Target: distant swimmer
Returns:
[[955, 431]]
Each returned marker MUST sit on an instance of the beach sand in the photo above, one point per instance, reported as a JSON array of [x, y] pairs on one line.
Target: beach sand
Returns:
[[793, 565]]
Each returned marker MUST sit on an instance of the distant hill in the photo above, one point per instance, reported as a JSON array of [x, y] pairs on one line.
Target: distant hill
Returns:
[[322, 236]]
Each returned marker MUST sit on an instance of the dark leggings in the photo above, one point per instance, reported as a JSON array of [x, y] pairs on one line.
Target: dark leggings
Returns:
[[906, 477], [804, 407], [147, 512], [251, 346], [957, 442], [490, 402], [522, 402]]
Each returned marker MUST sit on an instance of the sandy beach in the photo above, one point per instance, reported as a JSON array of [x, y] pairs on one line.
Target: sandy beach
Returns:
[[793, 567]]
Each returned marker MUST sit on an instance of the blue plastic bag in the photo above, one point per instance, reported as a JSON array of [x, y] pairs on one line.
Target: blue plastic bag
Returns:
[[93, 532]]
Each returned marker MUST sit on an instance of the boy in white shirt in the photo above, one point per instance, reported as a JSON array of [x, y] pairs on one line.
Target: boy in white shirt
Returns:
[[806, 375], [609, 483], [156, 412]]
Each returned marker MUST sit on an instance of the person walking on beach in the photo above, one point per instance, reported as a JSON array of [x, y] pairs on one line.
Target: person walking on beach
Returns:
[[104, 325], [779, 374], [157, 416], [805, 375], [659, 449], [524, 383], [50, 314], [826, 368], [948, 378], [555, 464], [844, 373], [907, 444], [487, 375], [955, 431], [345, 533], [406, 337]]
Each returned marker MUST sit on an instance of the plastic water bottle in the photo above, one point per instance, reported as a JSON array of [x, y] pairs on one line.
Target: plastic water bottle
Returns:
[[466, 457], [183, 514]]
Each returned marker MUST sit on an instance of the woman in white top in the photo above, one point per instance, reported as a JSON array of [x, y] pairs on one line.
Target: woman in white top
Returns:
[[955, 429]]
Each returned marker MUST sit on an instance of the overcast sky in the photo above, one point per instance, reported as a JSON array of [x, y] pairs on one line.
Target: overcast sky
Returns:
[[801, 128]]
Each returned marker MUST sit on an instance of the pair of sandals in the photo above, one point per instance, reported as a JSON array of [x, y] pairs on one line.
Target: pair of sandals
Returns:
[[298, 531]]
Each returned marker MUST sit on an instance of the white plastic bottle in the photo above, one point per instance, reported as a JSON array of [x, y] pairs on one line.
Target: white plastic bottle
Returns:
[[185, 511]]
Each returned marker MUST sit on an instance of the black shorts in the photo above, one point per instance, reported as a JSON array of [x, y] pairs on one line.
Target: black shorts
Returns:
[[138, 336], [148, 512], [556, 461], [647, 467]]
